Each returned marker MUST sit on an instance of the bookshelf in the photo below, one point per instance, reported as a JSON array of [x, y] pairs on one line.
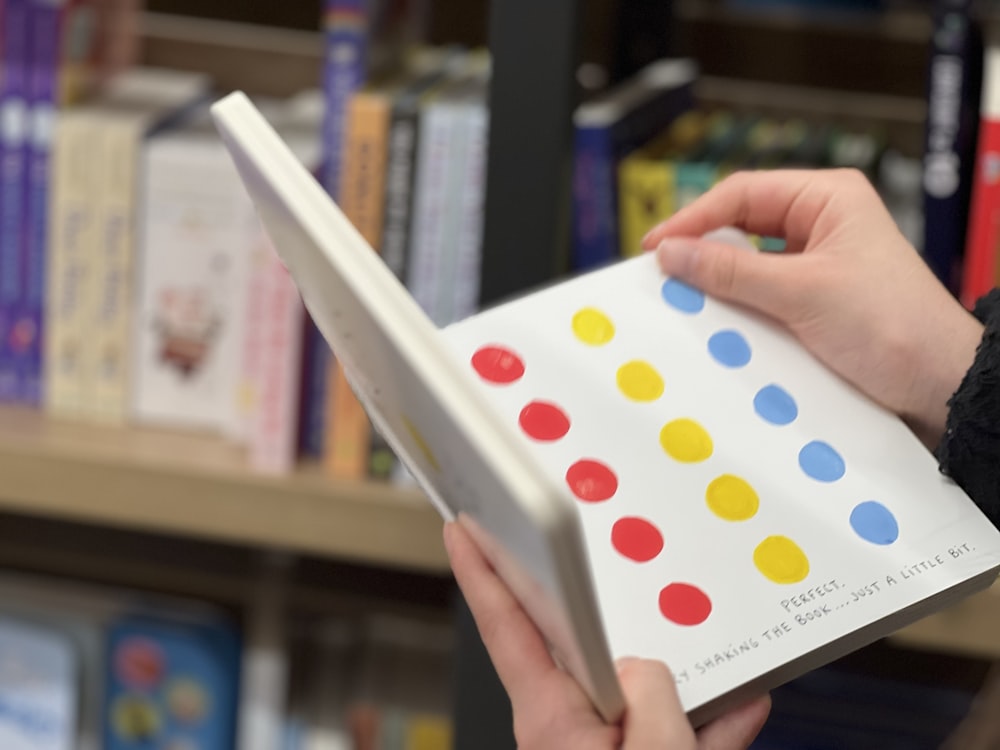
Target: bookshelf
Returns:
[[198, 486], [185, 487]]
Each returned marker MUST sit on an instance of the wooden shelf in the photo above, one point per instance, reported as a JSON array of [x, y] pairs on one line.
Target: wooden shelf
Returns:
[[200, 487]]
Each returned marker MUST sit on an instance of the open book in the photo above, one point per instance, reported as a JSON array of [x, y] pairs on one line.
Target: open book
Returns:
[[652, 472]]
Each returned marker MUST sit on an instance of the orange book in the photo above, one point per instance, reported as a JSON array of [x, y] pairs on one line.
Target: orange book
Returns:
[[362, 191]]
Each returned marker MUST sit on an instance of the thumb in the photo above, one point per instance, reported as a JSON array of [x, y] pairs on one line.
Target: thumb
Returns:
[[762, 281], [653, 717], [738, 728]]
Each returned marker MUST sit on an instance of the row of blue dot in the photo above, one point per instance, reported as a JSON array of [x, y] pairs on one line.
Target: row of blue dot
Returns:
[[819, 460]]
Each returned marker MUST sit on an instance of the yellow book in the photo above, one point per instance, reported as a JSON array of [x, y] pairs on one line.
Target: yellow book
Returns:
[[70, 254], [426, 732], [647, 180], [362, 191]]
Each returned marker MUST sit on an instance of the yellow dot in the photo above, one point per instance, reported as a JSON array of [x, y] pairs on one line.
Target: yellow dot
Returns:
[[685, 440], [422, 444], [781, 560], [732, 498], [640, 381], [593, 327]]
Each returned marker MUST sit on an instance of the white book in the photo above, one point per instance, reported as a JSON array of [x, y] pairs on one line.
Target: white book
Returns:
[[195, 234], [652, 472]]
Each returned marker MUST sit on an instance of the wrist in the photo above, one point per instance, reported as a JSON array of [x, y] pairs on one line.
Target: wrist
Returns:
[[939, 375]]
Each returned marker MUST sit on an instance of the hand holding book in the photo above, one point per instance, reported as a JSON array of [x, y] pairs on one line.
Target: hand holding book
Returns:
[[848, 285], [551, 710]]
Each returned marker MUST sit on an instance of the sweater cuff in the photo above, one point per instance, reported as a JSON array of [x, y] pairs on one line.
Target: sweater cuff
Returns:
[[969, 451]]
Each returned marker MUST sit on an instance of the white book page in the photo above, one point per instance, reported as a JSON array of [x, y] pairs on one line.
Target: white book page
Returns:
[[742, 505]]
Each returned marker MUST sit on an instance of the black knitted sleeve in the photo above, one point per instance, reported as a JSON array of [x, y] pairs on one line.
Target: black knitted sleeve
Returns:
[[969, 452]]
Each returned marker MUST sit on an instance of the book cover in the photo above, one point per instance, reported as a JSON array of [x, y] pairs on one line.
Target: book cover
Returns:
[[191, 284], [605, 130], [39, 687], [171, 682], [954, 87]]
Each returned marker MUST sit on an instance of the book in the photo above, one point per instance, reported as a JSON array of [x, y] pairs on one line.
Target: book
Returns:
[[982, 244], [651, 471], [15, 116], [648, 179], [195, 231], [954, 87], [73, 239], [607, 128], [170, 681], [39, 687]]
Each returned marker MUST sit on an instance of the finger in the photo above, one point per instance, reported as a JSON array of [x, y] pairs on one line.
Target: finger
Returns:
[[780, 203], [766, 282], [736, 729], [653, 715], [515, 646]]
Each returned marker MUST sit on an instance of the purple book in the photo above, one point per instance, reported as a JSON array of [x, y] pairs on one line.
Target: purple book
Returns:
[[13, 137], [345, 24], [45, 31]]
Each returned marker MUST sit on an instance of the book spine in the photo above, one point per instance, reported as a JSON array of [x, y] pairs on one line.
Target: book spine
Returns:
[[362, 198], [69, 261], [983, 239], [109, 348], [427, 240], [647, 195], [345, 26], [273, 439], [472, 184], [14, 131], [953, 93], [399, 188], [593, 198], [46, 31], [316, 356]]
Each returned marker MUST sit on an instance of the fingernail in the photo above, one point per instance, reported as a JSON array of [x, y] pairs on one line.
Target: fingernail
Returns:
[[646, 238], [622, 663], [677, 253]]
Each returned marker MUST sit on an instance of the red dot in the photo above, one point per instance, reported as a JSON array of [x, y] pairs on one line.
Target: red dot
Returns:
[[497, 364], [544, 421], [684, 604], [592, 481], [637, 539]]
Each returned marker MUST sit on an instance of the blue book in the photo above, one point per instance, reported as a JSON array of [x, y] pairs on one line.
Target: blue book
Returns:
[[605, 130], [14, 128], [171, 683], [954, 83], [345, 24], [44, 23]]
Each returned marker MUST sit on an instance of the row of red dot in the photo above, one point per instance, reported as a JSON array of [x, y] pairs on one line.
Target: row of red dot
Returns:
[[592, 481]]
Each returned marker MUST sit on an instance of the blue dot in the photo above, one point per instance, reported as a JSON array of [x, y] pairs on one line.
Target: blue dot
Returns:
[[875, 523], [685, 298], [729, 348], [774, 404], [821, 462]]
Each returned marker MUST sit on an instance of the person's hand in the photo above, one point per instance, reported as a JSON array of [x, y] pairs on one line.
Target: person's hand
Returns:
[[551, 711], [848, 284]]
